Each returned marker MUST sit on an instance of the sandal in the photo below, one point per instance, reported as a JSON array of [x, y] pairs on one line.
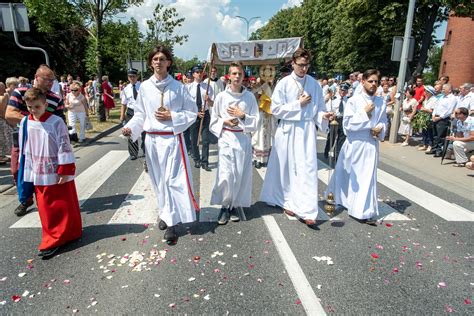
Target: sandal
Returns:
[[460, 165]]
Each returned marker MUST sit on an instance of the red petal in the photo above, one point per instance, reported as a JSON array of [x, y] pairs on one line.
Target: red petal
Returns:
[[467, 301], [388, 225], [395, 270], [374, 255], [16, 298], [298, 302]]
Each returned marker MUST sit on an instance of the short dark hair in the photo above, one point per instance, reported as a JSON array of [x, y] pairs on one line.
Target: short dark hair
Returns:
[[301, 52], [411, 91], [419, 77], [160, 49], [34, 94], [236, 64], [463, 110], [370, 72]]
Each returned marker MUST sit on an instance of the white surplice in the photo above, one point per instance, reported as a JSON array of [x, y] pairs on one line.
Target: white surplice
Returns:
[[166, 157], [233, 185], [354, 182], [291, 180]]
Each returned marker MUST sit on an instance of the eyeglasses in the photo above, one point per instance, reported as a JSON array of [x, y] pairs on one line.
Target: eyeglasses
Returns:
[[373, 81], [302, 65], [160, 59], [47, 79]]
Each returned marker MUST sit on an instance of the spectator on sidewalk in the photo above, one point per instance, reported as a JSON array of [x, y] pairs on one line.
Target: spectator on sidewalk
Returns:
[[108, 96], [441, 119], [76, 104], [419, 91], [90, 97], [428, 106], [466, 97], [408, 110], [463, 141], [5, 134]]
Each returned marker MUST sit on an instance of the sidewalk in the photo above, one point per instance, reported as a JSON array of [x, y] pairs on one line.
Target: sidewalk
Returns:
[[416, 163]]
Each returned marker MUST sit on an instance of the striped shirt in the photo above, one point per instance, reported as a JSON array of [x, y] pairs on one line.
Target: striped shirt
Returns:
[[55, 103]]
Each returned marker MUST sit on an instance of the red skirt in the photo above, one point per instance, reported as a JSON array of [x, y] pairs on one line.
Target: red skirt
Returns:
[[58, 208]]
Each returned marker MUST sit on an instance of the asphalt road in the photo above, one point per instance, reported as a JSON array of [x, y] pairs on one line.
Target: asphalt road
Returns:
[[413, 262]]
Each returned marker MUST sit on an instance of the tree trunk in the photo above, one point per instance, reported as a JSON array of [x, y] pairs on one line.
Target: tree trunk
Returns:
[[426, 41]]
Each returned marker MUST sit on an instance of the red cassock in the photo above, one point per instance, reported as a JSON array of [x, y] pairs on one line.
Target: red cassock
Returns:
[[108, 101], [59, 211]]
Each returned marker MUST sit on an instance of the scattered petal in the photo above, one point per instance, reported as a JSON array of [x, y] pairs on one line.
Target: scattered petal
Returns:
[[207, 297], [109, 277], [157, 295], [395, 270], [228, 245], [21, 274], [441, 284], [298, 302], [191, 279], [374, 255], [94, 303], [388, 224], [467, 301], [16, 298], [3, 279], [66, 281], [172, 305], [74, 311], [379, 247], [419, 265], [448, 309], [25, 294], [3, 302]]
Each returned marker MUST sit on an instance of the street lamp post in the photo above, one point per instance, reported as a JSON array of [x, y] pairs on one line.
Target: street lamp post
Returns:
[[248, 22]]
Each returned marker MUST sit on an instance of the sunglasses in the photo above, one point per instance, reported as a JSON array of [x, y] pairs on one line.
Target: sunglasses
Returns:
[[75, 90]]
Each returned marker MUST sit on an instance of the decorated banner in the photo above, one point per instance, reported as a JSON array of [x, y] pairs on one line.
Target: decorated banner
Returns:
[[254, 52]]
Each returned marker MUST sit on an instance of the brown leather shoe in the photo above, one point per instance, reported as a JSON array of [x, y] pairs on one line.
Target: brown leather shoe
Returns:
[[310, 222]]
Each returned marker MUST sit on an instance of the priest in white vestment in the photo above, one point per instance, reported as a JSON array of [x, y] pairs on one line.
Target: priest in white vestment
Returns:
[[164, 111], [234, 116], [291, 180], [354, 181]]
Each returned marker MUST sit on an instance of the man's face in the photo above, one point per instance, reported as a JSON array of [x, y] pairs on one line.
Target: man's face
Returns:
[[132, 79], [44, 80], [253, 82], [213, 73], [438, 88], [245, 82], [69, 79], [197, 75], [160, 63], [342, 93], [359, 77], [446, 90], [419, 82], [236, 76], [300, 66], [370, 84], [385, 87], [463, 90], [36, 107], [459, 115], [391, 81], [324, 82], [383, 81]]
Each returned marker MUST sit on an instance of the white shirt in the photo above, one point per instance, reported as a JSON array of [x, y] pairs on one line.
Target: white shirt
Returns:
[[126, 96], [466, 101], [333, 105], [192, 89], [445, 106]]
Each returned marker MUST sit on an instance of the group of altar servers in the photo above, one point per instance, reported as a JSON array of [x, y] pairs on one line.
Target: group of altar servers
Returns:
[[164, 109]]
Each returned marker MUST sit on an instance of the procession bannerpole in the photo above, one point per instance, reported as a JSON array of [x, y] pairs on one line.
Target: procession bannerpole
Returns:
[[205, 100], [330, 205]]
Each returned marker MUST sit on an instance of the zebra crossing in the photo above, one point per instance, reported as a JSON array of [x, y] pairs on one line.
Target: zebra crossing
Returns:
[[140, 205]]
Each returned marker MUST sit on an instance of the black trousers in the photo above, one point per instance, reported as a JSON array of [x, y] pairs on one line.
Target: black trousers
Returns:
[[194, 131], [440, 131], [133, 146], [338, 137]]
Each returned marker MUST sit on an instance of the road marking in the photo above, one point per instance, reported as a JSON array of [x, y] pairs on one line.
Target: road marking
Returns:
[[86, 183], [306, 295], [444, 209], [140, 205], [207, 179]]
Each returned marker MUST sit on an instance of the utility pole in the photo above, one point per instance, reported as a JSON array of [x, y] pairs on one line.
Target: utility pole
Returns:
[[247, 21], [402, 72]]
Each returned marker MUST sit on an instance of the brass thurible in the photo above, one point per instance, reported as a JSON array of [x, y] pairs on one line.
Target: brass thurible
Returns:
[[330, 205]]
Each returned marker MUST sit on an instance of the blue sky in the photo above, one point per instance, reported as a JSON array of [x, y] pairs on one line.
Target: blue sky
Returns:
[[208, 21]]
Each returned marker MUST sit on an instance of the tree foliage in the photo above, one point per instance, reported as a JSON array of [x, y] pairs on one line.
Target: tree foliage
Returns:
[[348, 35], [163, 26]]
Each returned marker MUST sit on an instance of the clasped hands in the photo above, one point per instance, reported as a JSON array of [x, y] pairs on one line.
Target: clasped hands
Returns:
[[236, 113], [375, 131]]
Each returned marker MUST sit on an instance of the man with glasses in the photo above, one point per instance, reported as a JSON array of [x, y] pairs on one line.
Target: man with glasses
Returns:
[[128, 97], [16, 110], [463, 141], [291, 181], [202, 96], [354, 181]]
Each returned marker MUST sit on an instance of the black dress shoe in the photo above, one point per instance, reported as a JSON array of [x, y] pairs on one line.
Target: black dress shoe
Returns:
[[47, 253], [205, 166], [171, 236], [258, 165], [162, 225], [429, 152], [133, 157], [197, 164], [22, 209]]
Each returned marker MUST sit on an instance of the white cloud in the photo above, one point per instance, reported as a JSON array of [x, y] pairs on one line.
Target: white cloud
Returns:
[[206, 21], [292, 3]]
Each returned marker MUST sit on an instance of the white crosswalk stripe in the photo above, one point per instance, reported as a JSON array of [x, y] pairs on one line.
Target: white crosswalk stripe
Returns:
[[86, 183]]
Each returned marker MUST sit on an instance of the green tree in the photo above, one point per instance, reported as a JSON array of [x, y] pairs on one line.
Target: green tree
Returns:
[[432, 65], [162, 27]]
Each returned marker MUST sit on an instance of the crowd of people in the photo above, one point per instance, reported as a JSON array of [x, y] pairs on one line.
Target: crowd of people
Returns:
[[262, 121]]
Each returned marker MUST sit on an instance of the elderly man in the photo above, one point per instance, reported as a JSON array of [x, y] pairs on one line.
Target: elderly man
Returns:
[[441, 119], [17, 109], [466, 97], [463, 141]]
